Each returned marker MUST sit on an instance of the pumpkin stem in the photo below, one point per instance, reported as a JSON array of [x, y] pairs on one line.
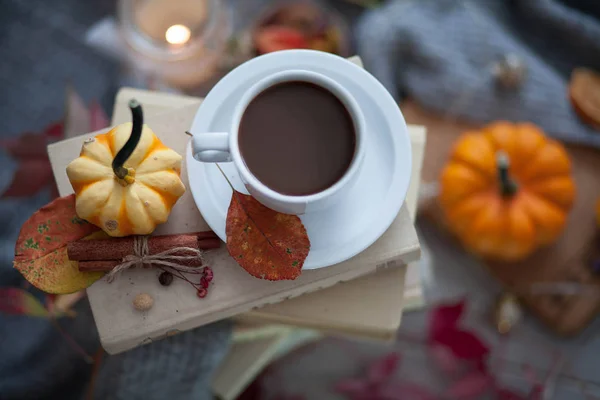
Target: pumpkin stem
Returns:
[[136, 133], [508, 187]]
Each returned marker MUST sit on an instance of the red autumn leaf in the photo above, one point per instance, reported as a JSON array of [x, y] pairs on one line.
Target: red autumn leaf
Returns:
[[267, 244], [54, 131], [444, 331], [445, 317], [471, 386], [444, 359], [27, 146], [382, 369], [275, 38], [41, 248], [50, 228], [15, 301], [30, 149], [34, 171], [30, 177], [464, 345]]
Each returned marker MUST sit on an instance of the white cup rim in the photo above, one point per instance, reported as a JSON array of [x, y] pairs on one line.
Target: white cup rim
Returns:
[[322, 81]]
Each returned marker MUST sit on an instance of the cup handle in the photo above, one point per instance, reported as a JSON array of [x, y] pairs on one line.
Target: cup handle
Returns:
[[211, 147]]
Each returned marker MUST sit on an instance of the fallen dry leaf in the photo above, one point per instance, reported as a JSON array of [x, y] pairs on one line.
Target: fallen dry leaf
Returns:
[[18, 301], [30, 153], [584, 92], [15, 301], [64, 303], [41, 249], [474, 385], [276, 38], [267, 244]]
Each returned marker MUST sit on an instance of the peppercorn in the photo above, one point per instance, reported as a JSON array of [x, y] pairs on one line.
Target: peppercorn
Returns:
[[165, 278]]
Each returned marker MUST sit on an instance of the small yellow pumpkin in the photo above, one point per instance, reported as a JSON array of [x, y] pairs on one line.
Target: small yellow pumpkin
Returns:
[[507, 190], [126, 181]]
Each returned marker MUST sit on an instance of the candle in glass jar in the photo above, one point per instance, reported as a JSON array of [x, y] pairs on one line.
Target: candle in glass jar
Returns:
[[178, 35], [180, 42], [158, 18]]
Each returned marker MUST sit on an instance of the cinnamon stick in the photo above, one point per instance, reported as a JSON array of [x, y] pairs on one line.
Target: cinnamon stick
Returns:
[[107, 265], [97, 265], [118, 248]]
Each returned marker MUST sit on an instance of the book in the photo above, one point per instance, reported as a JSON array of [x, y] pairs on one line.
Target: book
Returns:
[[325, 309], [385, 326], [177, 308]]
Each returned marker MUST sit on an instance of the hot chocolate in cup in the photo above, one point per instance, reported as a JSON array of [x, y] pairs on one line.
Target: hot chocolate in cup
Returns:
[[296, 139]]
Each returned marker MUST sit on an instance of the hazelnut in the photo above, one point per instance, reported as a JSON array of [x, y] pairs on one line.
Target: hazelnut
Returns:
[[143, 302]]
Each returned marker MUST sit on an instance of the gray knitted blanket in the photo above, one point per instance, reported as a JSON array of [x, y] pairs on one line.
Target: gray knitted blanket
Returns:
[[440, 52]]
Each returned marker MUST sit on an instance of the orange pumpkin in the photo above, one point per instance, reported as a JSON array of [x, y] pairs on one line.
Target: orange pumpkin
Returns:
[[506, 190]]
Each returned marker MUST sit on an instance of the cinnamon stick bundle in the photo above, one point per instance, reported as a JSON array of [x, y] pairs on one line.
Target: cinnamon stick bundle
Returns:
[[118, 248], [105, 254]]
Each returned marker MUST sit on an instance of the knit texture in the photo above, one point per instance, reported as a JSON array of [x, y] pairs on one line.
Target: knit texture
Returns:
[[178, 367], [441, 52]]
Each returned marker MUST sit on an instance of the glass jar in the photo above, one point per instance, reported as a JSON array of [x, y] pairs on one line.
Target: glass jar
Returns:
[[180, 43]]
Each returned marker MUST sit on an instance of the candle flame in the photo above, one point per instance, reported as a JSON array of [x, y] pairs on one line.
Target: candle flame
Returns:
[[178, 34]]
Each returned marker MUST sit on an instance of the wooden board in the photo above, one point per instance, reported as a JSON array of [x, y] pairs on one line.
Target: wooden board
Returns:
[[568, 260]]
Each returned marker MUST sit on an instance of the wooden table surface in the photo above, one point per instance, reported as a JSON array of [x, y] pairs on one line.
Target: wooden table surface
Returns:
[[568, 260]]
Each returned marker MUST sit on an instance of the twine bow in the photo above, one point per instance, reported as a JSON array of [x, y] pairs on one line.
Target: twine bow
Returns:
[[177, 258]]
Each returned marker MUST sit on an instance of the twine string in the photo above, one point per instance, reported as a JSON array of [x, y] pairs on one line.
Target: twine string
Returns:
[[173, 258]]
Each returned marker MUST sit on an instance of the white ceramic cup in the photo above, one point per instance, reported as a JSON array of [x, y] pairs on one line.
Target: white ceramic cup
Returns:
[[224, 147]]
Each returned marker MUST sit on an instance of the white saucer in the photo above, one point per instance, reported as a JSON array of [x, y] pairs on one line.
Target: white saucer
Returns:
[[338, 233]]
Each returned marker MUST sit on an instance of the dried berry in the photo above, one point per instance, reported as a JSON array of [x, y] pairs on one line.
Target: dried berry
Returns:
[[208, 274], [165, 278], [204, 282], [143, 302], [202, 293]]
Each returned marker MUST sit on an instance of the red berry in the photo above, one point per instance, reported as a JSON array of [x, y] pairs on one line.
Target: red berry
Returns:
[[209, 276], [202, 293], [204, 282]]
